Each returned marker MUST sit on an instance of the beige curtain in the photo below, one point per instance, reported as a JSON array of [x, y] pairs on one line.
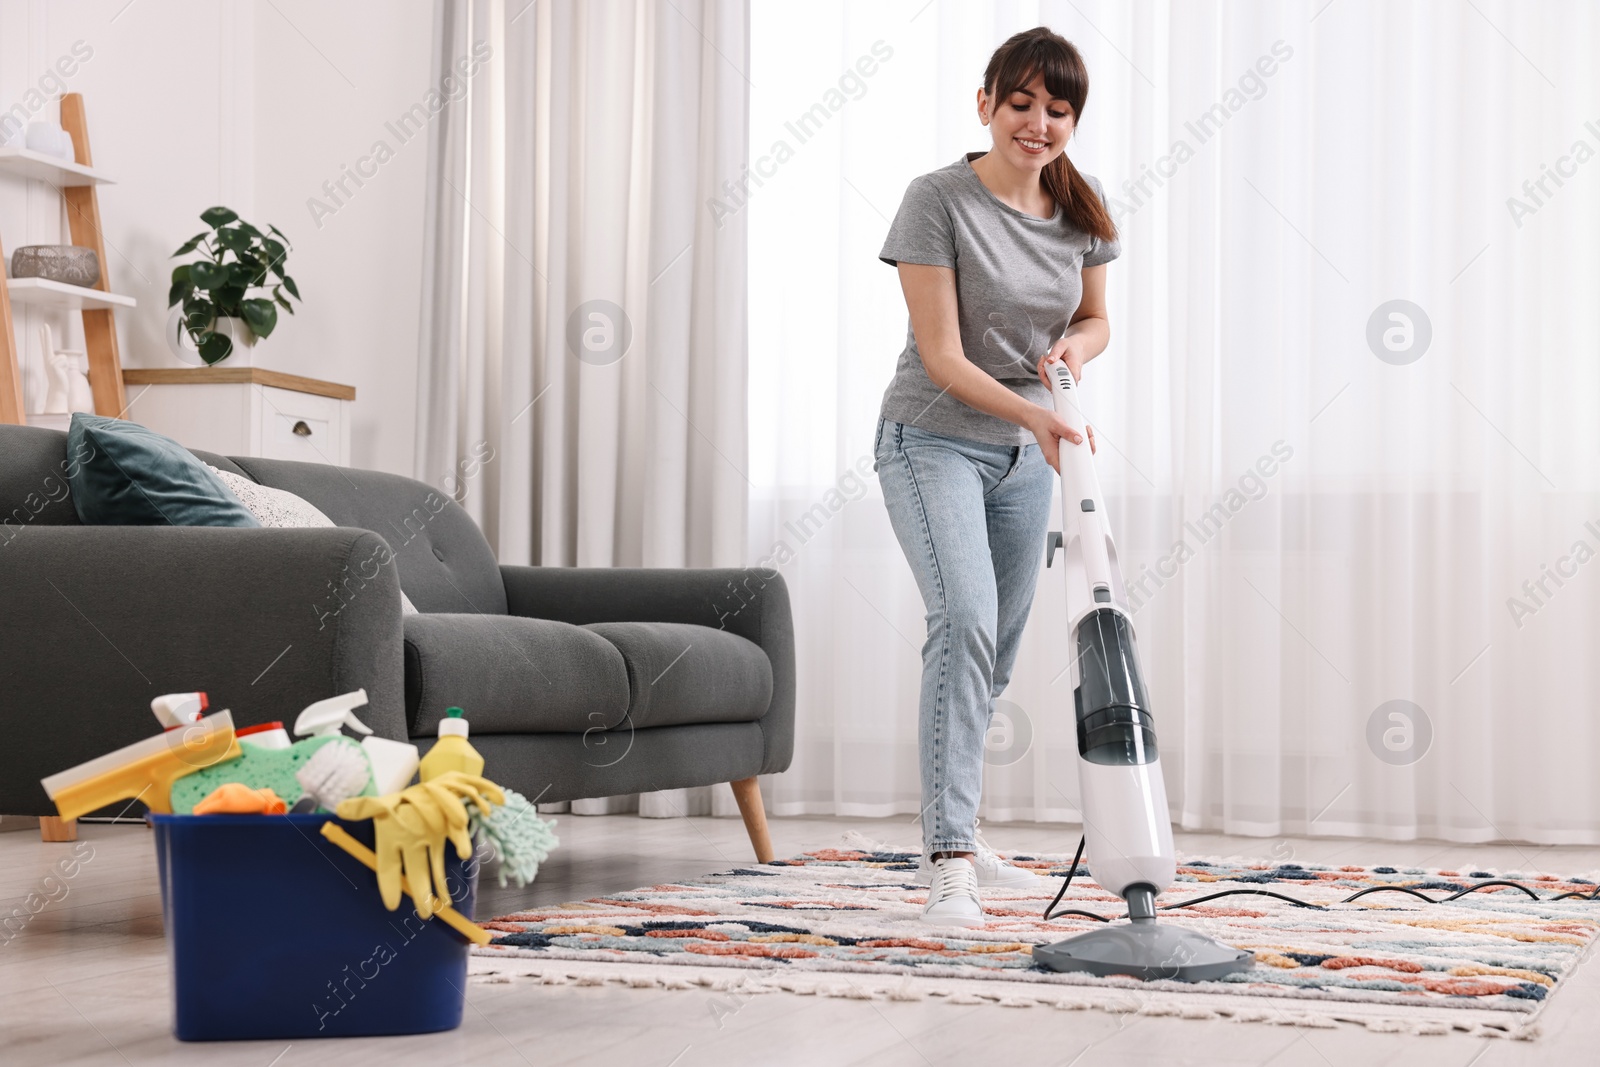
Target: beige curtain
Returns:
[[582, 371], [1346, 420]]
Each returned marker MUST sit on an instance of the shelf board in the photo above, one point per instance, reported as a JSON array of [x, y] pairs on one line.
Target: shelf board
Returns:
[[58, 172], [226, 375], [59, 294]]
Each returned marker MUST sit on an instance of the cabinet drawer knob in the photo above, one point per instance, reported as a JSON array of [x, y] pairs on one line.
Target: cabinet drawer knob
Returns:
[[301, 429]]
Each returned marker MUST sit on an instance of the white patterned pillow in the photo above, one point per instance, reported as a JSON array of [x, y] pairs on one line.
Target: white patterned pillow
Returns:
[[280, 509]]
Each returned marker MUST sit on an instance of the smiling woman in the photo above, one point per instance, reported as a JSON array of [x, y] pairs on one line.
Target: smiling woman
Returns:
[[1001, 256], [1032, 98]]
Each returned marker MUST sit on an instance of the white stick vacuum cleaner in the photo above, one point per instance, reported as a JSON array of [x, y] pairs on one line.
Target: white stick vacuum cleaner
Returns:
[[1124, 801]]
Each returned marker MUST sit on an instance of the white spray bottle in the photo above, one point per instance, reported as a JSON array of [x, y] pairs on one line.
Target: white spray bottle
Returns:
[[394, 763]]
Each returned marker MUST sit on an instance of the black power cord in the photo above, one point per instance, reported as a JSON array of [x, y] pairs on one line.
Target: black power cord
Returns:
[[1247, 892], [1388, 889], [1051, 913]]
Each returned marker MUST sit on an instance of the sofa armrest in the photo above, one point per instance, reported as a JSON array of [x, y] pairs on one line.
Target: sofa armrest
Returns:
[[751, 602], [100, 619]]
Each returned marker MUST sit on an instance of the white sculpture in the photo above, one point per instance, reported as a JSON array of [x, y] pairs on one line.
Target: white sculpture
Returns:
[[66, 385]]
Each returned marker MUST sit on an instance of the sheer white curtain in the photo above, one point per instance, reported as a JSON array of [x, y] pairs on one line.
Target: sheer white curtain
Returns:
[[582, 381], [1361, 533]]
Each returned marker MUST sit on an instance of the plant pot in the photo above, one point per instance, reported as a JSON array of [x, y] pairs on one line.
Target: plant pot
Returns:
[[243, 337], [182, 346]]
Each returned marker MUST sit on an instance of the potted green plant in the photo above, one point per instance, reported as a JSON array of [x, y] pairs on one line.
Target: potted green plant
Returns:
[[231, 293]]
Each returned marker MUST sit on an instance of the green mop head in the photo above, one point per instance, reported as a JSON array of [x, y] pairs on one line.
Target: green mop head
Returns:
[[520, 839]]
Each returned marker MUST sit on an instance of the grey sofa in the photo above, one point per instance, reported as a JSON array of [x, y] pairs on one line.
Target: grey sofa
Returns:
[[577, 682]]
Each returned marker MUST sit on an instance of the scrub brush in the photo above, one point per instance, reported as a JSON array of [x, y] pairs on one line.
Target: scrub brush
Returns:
[[336, 771], [519, 838]]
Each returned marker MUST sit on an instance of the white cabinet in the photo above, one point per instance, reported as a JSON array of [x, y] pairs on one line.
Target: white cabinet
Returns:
[[245, 411]]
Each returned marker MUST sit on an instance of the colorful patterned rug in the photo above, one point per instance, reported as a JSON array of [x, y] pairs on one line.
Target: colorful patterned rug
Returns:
[[842, 922]]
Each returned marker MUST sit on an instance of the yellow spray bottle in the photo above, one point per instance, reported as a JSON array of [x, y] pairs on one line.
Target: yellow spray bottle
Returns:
[[452, 752]]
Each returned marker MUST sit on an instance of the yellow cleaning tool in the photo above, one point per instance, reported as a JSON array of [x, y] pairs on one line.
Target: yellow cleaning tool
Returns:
[[410, 829], [144, 770], [467, 928]]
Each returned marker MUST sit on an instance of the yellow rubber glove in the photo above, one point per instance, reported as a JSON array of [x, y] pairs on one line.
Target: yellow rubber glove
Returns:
[[444, 795], [475, 788], [410, 829], [387, 841]]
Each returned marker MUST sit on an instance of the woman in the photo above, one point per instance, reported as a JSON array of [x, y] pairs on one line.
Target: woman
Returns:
[[1001, 257]]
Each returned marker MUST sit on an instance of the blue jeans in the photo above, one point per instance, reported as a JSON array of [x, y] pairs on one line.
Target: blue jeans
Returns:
[[971, 518]]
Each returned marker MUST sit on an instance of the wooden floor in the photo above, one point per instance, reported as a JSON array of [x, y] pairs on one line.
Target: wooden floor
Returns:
[[85, 980]]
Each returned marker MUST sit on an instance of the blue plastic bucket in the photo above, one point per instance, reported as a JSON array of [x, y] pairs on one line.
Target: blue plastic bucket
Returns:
[[275, 932]]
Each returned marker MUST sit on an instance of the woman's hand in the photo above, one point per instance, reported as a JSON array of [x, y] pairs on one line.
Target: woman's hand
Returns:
[[1049, 431], [1047, 427], [1065, 350]]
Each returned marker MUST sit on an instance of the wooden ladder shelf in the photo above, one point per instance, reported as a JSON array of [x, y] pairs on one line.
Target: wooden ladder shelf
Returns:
[[82, 202]]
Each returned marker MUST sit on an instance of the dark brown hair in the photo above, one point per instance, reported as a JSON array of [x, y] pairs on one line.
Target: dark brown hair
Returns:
[[1014, 64]]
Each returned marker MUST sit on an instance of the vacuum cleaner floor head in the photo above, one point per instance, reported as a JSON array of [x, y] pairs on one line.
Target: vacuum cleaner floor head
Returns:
[[1146, 950]]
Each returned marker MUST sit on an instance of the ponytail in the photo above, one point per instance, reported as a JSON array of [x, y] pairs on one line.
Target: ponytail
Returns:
[[1077, 198]]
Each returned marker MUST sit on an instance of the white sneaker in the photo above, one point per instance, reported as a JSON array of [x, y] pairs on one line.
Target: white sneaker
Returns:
[[992, 872], [953, 897]]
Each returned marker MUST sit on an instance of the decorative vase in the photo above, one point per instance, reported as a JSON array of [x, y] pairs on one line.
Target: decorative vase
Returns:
[[69, 264]]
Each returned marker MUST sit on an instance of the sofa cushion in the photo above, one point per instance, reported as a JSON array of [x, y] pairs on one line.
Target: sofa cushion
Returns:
[[36, 472], [279, 509], [444, 562], [132, 476], [681, 673], [511, 675]]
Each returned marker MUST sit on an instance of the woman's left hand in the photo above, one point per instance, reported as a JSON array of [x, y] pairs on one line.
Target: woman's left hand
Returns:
[[1064, 351]]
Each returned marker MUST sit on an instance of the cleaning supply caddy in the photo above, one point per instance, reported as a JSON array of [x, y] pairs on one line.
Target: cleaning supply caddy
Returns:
[[317, 954], [288, 924]]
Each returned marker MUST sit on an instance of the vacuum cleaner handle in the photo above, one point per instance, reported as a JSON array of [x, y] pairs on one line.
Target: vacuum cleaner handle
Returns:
[[1091, 574]]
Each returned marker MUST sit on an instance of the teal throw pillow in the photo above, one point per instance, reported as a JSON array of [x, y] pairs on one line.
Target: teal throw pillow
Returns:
[[137, 477]]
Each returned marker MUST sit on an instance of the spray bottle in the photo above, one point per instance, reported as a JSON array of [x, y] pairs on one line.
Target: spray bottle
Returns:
[[393, 762], [452, 752]]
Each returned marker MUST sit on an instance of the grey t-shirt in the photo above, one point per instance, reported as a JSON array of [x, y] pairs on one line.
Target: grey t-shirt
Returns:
[[1018, 283]]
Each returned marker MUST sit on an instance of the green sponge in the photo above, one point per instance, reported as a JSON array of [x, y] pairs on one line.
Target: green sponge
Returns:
[[270, 768]]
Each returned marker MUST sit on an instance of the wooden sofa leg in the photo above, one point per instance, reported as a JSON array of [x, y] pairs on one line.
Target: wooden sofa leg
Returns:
[[54, 828], [747, 791]]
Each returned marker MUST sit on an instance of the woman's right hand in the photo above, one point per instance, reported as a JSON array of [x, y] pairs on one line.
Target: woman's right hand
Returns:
[[1048, 429]]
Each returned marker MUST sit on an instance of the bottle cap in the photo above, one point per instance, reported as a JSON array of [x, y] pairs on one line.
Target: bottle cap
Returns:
[[453, 725], [264, 735]]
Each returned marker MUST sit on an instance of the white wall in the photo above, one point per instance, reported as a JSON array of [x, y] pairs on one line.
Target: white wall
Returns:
[[254, 105]]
